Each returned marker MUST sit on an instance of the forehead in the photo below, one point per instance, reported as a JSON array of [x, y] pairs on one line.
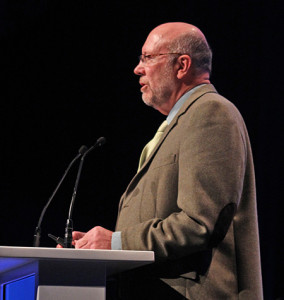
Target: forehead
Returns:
[[154, 43]]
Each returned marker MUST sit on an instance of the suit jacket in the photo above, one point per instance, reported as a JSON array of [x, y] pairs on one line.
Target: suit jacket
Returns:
[[194, 204]]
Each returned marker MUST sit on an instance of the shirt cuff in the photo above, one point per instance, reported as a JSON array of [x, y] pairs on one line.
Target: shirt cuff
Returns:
[[116, 241]]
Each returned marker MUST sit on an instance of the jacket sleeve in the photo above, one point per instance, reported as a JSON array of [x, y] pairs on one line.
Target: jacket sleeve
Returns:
[[211, 167]]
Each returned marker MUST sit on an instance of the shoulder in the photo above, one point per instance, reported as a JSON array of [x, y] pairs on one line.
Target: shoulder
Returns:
[[211, 105]]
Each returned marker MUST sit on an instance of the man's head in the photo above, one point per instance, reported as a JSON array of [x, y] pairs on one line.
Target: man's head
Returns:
[[175, 58]]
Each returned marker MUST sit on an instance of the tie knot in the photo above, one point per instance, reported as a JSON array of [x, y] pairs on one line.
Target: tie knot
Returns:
[[163, 126], [152, 144]]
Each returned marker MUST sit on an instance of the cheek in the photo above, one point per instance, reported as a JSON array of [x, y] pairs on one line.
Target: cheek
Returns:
[[153, 80], [155, 74]]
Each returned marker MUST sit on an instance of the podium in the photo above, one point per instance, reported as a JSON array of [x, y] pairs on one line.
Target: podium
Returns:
[[66, 273]]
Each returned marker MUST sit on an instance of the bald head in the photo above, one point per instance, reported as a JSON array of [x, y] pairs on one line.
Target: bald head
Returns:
[[173, 30], [179, 37]]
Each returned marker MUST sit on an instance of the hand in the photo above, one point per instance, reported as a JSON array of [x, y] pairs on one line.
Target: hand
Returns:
[[77, 235], [96, 238]]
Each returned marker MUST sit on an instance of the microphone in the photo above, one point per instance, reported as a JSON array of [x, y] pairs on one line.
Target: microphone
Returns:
[[69, 224], [36, 242]]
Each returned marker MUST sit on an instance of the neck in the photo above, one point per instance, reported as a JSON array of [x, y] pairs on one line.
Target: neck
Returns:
[[184, 87]]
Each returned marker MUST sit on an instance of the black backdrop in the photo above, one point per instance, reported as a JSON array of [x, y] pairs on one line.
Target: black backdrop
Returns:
[[67, 79]]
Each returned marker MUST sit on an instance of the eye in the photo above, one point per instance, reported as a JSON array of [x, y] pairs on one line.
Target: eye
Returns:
[[147, 57]]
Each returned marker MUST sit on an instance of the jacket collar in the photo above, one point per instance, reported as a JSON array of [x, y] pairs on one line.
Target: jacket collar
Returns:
[[208, 88]]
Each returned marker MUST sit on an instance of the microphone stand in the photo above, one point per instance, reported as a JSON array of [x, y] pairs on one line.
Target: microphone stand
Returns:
[[37, 233], [69, 223]]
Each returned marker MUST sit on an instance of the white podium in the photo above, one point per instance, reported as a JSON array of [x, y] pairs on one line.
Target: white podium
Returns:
[[67, 273]]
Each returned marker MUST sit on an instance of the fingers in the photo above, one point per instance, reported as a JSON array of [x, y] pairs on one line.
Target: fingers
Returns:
[[96, 238], [77, 235], [81, 244]]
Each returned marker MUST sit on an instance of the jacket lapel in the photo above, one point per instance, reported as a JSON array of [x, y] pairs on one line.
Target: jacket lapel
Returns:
[[194, 97]]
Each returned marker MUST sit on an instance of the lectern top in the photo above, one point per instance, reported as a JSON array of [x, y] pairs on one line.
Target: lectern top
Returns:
[[11, 257]]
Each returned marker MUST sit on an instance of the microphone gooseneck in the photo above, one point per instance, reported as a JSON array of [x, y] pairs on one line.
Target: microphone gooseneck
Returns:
[[69, 223], [36, 242]]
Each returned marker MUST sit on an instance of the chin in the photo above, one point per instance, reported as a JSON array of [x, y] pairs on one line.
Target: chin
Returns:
[[147, 101]]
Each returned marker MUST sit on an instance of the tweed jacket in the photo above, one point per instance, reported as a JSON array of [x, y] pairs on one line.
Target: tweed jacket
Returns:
[[193, 203]]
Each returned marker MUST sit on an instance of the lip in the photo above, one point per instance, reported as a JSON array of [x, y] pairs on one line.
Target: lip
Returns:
[[143, 86], [142, 83]]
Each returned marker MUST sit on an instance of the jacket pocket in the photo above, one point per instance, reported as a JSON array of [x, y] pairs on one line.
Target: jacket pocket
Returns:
[[164, 161]]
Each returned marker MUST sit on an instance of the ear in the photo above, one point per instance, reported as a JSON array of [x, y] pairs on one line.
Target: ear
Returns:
[[184, 64]]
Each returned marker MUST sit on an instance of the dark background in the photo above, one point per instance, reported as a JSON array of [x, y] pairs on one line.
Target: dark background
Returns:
[[67, 79]]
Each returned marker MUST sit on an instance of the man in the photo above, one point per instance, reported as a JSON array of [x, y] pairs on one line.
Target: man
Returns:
[[192, 201]]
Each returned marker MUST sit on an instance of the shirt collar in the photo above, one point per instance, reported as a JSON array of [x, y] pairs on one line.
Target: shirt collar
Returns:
[[180, 102]]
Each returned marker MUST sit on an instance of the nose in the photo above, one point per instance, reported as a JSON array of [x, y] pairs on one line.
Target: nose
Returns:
[[139, 69]]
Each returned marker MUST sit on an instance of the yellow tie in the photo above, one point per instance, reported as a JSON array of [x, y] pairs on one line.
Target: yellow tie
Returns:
[[152, 144]]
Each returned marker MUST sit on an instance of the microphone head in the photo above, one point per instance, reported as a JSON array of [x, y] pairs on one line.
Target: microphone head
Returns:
[[83, 149], [101, 141]]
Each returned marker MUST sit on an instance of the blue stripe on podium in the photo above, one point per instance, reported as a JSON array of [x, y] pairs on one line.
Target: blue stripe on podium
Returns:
[[21, 289]]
